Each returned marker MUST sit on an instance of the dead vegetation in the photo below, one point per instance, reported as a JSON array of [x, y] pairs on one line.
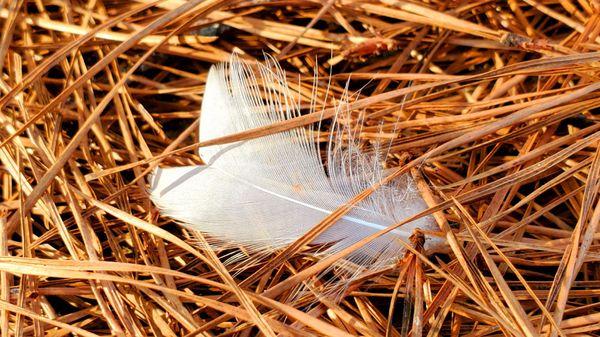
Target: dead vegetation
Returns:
[[490, 105]]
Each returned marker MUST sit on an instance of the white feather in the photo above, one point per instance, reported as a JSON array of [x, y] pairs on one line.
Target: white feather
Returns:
[[265, 193]]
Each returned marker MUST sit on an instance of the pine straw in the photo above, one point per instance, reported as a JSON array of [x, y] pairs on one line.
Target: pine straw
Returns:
[[488, 104]]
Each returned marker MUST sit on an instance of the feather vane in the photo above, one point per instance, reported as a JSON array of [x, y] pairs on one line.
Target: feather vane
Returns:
[[265, 193]]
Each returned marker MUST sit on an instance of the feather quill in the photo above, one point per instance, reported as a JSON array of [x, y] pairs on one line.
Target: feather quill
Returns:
[[265, 193]]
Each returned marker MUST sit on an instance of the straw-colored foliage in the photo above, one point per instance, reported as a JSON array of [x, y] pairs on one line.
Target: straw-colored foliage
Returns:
[[490, 105]]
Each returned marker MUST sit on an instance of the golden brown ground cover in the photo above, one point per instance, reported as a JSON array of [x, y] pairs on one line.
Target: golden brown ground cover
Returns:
[[491, 105]]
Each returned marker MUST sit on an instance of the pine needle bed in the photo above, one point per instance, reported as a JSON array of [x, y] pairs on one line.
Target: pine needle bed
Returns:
[[490, 105]]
